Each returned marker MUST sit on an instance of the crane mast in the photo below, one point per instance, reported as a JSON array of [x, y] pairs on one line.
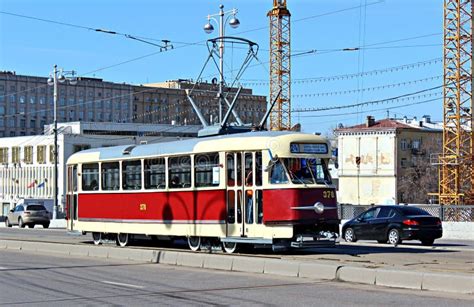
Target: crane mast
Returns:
[[280, 117], [456, 177]]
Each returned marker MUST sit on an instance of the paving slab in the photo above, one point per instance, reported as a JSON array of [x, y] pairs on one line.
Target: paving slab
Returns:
[[399, 279], [456, 283], [191, 260], [357, 275], [318, 271], [281, 267], [168, 257], [218, 262], [249, 265]]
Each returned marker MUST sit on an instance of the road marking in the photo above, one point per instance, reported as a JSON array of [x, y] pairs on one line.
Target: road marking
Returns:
[[121, 284]]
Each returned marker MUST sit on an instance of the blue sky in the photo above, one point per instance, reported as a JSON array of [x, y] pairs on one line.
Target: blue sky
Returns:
[[395, 33]]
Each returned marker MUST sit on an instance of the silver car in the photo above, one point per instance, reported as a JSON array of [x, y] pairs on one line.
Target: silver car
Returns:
[[28, 215]]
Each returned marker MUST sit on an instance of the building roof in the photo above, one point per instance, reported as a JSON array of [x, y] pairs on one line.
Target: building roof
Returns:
[[393, 124]]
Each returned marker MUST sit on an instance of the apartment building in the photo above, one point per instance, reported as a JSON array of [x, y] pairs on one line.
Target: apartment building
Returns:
[[26, 103]]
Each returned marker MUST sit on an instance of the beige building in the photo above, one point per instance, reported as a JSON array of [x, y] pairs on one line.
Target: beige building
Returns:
[[26, 103], [166, 102], [388, 161]]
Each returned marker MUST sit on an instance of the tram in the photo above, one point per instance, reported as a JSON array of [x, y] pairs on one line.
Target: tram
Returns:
[[260, 188]]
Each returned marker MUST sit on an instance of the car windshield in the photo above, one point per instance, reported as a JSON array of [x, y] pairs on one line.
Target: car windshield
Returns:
[[35, 208], [307, 171], [413, 211]]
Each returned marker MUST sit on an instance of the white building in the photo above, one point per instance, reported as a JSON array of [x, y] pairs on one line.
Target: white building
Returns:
[[388, 161], [27, 162]]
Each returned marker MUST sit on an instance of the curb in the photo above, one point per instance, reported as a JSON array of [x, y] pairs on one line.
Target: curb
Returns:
[[454, 283]]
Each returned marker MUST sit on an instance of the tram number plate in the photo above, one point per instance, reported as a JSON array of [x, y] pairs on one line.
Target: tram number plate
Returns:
[[142, 207], [328, 194]]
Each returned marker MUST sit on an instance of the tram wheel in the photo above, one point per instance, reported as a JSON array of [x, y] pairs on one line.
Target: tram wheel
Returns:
[[194, 243], [229, 247], [97, 237], [122, 239]]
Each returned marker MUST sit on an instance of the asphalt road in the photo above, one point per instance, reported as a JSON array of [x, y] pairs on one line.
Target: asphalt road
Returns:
[[445, 256], [45, 280]]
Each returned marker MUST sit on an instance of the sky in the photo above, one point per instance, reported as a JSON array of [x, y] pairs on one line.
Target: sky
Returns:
[[400, 50]]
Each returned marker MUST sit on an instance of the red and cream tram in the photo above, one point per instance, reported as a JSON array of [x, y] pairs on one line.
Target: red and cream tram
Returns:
[[270, 188]]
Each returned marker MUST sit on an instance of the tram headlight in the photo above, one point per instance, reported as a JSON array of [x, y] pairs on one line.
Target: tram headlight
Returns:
[[318, 208]]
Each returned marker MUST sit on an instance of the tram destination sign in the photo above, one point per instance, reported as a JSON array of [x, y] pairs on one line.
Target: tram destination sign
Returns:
[[311, 148]]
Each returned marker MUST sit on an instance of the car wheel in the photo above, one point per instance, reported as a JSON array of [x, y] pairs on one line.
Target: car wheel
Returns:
[[21, 224], [427, 242], [7, 223], [349, 235], [46, 225], [31, 226], [394, 236]]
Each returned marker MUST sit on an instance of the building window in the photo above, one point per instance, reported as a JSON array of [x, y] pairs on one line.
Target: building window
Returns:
[[33, 123], [16, 154], [155, 174], [28, 154], [41, 154], [79, 147], [51, 153], [403, 144], [4, 155], [132, 175], [32, 100], [22, 99], [403, 162], [2, 110], [416, 144], [207, 170]]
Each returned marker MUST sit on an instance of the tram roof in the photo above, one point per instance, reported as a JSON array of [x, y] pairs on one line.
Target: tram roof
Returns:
[[241, 141]]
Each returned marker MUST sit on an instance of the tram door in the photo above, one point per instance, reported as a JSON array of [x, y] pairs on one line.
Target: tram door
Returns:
[[244, 194], [71, 200]]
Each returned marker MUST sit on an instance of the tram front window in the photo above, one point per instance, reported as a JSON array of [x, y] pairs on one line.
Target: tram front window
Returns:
[[307, 171]]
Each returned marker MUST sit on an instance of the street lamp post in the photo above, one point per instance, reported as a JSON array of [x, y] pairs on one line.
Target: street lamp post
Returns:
[[53, 80], [234, 23]]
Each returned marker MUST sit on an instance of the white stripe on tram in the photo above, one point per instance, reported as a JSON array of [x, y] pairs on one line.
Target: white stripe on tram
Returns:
[[122, 284]]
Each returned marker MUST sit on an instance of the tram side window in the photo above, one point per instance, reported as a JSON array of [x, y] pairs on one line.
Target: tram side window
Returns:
[[205, 167], [90, 177], [179, 172], [278, 173], [132, 175], [155, 173], [110, 176]]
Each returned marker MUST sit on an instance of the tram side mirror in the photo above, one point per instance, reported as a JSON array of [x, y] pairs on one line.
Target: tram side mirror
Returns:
[[11, 210]]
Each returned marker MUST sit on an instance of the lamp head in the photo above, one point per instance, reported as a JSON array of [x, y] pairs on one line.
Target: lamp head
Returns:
[[73, 81], [208, 28], [50, 81], [234, 22], [61, 78]]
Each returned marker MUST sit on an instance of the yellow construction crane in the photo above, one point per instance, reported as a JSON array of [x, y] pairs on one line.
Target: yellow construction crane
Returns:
[[456, 173], [280, 52]]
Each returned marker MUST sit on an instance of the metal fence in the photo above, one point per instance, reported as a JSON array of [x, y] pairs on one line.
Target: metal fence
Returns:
[[445, 213]]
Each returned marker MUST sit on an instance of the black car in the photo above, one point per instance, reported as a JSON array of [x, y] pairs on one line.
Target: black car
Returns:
[[393, 224]]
